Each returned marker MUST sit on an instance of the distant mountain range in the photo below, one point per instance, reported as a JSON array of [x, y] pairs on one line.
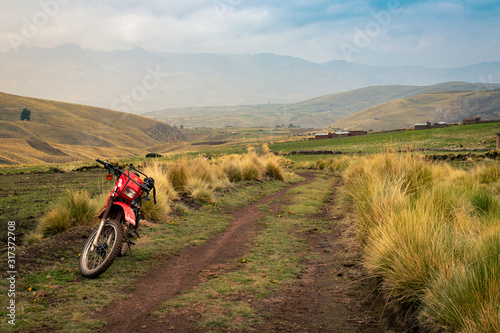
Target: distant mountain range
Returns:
[[139, 81], [61, 132]]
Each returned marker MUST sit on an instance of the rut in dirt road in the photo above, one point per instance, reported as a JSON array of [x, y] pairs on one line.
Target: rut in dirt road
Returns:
[[181, 272]]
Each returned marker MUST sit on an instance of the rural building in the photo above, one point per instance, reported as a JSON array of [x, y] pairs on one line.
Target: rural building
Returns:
[[323, 135], [340, 134], [422, 126], [356, 133], [440, 124], [471, 120]]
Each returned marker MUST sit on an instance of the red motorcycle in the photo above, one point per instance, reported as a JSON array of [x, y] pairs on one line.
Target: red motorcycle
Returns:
[[119, 220]]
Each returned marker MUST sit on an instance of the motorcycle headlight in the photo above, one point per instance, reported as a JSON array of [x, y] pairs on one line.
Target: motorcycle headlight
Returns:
[[129, 193]]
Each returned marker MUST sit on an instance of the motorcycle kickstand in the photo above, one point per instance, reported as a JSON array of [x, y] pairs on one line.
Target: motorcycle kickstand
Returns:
[[130, 242], [130, 250]]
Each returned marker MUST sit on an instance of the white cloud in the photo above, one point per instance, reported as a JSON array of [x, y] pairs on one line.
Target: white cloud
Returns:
[[428, 33]]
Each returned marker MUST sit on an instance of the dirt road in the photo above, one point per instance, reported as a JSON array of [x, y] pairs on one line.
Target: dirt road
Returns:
[[334, 294]]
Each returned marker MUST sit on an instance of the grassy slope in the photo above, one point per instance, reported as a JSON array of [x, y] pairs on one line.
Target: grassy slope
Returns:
[[449, 106], [78, 131]]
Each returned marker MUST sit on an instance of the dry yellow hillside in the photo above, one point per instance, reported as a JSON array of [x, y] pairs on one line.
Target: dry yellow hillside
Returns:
[[61, 132], [448, 106]]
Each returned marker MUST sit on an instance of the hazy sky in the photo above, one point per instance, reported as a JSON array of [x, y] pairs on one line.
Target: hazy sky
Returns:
[[373, 32]]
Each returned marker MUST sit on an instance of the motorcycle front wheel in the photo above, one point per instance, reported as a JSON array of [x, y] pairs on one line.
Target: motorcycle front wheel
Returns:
[[95, 261]]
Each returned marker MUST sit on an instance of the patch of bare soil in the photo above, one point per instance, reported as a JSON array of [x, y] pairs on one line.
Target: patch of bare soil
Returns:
[[53, 250], [335, 293]]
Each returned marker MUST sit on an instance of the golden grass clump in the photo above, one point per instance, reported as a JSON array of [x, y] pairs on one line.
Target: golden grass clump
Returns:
[[201, 179], [431, 232], [165, 193], [466, 298], [273, 167], [408, 248], [232, 168], [330, 164], [251, 167], [178, 175], [203, 170], [72, 210], [158, 212], [487, 174], [376, 201], [200, 190], [159, 172], [320, 164]]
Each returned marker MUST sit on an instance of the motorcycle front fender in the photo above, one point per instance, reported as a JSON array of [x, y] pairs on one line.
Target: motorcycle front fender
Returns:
[[128, 213]]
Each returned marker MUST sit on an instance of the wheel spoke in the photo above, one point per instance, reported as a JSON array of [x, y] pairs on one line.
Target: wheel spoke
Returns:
[[95, 262]]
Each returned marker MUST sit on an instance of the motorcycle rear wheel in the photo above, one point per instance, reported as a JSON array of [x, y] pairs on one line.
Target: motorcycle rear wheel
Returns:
[[94, 263]]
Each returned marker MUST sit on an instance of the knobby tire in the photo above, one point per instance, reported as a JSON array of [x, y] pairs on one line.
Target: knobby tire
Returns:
[[94, 263]]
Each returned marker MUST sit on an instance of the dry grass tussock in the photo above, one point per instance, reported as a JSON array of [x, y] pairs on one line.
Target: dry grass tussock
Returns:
[[72, 210], [198, 179], [331, 164], [431, 233]]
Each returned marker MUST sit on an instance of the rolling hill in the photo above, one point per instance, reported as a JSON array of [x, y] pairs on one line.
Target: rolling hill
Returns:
[[447, 106], [61, 132], [318, 112]]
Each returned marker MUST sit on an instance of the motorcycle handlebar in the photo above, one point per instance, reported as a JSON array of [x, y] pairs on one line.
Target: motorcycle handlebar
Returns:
[[118, 171], [101, 161], [106, 164]]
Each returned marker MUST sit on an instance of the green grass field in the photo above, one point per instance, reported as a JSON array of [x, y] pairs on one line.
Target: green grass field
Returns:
[[470, 136]]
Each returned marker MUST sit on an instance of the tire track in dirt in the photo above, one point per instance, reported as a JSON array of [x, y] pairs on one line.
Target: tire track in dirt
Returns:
[[181, 272]]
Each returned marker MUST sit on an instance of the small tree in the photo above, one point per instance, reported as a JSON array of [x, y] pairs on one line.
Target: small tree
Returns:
[[25, 114]]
